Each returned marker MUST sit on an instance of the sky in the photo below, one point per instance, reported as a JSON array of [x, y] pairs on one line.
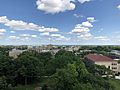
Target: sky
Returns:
[[60, 22]]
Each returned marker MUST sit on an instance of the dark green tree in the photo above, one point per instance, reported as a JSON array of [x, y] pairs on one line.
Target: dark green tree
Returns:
[[65, 79], [3, 84], [28, 68]]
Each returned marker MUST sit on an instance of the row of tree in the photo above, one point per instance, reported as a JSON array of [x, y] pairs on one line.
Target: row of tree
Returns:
[[65, 71]]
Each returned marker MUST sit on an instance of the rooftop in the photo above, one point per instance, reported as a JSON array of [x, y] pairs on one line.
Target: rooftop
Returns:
[[97, 57]]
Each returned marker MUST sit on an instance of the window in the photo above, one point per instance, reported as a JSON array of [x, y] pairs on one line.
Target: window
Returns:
[[114, 63], [114, 67]]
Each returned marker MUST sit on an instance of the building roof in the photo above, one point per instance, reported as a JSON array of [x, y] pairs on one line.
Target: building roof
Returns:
[[97, 57]]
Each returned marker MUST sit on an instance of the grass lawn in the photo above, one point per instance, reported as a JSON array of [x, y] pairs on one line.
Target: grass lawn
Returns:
[[115, 83]]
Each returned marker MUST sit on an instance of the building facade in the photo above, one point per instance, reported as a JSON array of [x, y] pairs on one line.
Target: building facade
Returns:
[[15, 53], [103, 60]]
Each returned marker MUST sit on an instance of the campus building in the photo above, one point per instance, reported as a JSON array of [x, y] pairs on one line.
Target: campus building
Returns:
[[103, 60], [15, 53]]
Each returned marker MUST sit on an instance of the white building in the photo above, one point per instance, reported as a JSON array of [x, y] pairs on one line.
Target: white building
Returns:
[[116, 52], [104, 60], [14, 53]]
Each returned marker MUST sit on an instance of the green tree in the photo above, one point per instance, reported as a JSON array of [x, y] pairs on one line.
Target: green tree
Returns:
[[81, 69], [45, 87], [29, 68], [65, 79], [82, 86], [3, 84]]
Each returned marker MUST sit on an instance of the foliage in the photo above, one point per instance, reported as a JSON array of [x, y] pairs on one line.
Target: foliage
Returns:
[[45, 87], [29, 68], [119, 61], [65, 70], [3, 84], [65, 79], [115, 83]]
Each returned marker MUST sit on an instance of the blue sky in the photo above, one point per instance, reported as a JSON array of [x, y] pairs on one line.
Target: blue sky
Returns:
[[59, 22]]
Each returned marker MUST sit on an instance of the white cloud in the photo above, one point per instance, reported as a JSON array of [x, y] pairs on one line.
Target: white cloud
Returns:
[[12, 31], [3, 19], [78, 15], [21, 25], [1, 34], [102, 38], [86, 36], [83, 1], [91, 19], [2, 30], [100, 30], [25, 39], [34, 36], [25, 35], [84, 27], [63, 39], [83, 30], [55, 6], [60, 37], [43, 29], [18, 24], [14, 37], [56, 35], [80, 29], [87, 24], [45, 34], [118, 41], [118, 7]]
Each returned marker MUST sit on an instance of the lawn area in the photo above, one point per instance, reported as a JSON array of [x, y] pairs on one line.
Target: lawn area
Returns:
[[115, 83]]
